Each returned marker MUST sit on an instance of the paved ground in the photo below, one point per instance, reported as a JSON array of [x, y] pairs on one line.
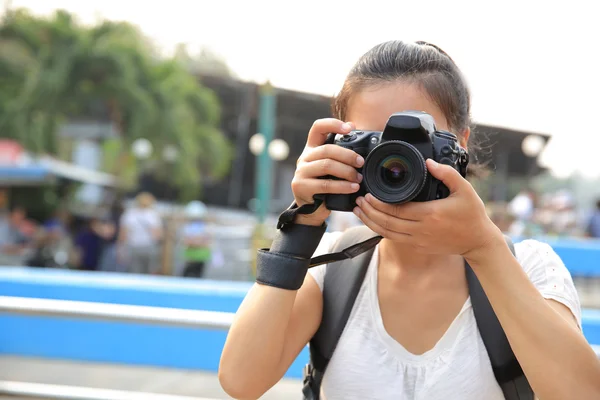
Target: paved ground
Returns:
[[117, 377]]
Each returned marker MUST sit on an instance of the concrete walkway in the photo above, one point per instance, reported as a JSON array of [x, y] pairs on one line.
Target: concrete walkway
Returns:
[[126, 378]]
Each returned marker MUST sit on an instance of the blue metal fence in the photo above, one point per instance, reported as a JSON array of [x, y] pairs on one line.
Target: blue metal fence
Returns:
[[131, 343]]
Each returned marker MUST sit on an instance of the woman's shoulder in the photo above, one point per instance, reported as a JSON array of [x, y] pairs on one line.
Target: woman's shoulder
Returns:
[[548, 273], [539, 259], [327, 242], [533, 254]]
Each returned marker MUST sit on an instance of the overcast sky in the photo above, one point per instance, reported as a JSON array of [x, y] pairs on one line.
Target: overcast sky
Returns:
[[531, 65]]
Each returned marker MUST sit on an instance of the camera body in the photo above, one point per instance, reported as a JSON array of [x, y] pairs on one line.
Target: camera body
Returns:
[[394, 170]]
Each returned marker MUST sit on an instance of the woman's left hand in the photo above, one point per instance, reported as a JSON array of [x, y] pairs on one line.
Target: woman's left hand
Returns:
[[457, 224]]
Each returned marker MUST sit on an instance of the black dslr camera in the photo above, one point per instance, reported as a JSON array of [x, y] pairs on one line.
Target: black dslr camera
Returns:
[[394, 170]]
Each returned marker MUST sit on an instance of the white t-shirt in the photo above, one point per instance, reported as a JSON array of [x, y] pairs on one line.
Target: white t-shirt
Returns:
[[140, 223], [340, 221], [369, 364]]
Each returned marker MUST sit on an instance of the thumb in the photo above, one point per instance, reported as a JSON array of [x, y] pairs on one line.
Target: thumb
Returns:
[[448, 175]]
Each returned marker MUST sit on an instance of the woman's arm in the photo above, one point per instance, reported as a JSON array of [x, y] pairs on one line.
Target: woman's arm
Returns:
[[270, 329], [544, 334], [552, 351], [273, 325]]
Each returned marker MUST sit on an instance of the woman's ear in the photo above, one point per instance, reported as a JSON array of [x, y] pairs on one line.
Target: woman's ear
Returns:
[[464, 138]]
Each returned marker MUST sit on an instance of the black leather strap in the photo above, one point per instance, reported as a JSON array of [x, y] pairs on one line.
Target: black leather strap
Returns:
[[286, 263], [349, 252], [517, 389], [298, 240], [342, 283], [506, 367], [287, 217], [280, 270]]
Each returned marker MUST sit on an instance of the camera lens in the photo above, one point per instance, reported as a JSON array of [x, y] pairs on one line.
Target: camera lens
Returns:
[[395, 172]]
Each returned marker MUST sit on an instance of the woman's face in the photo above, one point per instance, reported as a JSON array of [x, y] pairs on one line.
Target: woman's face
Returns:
[[371, 108]]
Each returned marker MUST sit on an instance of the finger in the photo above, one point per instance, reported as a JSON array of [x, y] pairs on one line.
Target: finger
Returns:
[[386, 221], [448, 175], [412, 211], [310, 187], [395, 236], [327, 167], [323, 127], [335, 152]]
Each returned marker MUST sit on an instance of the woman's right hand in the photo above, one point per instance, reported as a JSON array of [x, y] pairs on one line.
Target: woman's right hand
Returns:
[[318, 160]]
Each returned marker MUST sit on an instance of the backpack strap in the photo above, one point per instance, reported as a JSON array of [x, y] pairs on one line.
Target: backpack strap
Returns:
[[343, 280], [507, 370]]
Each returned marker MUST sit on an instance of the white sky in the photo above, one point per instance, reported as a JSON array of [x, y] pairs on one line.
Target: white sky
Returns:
[[532, 65]]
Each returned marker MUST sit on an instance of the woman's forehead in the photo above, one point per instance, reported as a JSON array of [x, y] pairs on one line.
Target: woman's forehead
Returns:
[[370, 108]]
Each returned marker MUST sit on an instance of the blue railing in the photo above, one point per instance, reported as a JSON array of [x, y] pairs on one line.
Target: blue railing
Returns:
[[581, 256], [119, 342], [133, 343]]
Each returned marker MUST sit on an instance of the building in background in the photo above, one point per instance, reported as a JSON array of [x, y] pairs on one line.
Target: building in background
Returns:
[[501, 150]]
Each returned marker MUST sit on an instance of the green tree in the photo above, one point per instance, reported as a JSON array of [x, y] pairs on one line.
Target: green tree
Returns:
[[53, 70]]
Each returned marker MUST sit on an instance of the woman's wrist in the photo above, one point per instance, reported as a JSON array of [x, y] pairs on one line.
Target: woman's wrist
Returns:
[[309, 220], [488, 250], [317, 218]]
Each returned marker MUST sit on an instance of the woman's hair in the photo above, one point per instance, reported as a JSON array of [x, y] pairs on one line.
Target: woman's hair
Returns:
[[421, 63]]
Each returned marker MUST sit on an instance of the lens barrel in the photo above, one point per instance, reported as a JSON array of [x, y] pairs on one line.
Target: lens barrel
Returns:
[[395, 172]]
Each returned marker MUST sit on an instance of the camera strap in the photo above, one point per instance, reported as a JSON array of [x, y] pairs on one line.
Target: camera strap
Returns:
[[342, 283], [286, 220], [288, 216], [284, 265]]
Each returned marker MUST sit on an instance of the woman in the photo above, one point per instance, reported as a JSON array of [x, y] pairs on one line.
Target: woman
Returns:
[[412, 332]]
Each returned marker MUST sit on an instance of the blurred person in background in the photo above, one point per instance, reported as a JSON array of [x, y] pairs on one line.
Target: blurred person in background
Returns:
[[109, 260], [545, 212], [593, 226], [565, 219], [16, 234], [140, 235], [58, 223], [54, 247], [522, 209], [196, 240], [89, 243], [522, 205]]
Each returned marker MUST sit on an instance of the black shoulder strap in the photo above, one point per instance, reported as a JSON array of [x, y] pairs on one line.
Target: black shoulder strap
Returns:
[[507, 369], [343, 279]]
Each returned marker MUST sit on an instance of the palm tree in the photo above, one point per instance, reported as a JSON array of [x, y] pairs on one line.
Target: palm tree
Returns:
[[53, 70]]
